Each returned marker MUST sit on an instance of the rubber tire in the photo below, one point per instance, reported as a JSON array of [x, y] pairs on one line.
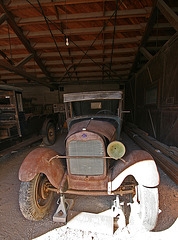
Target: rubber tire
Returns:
[[149, 206], [27, 200], [50, 141]]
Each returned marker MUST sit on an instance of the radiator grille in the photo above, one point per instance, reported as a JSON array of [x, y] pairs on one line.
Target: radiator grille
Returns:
[[86, 166]]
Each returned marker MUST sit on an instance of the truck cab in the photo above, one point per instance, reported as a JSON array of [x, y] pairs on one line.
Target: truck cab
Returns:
[[11, 112]]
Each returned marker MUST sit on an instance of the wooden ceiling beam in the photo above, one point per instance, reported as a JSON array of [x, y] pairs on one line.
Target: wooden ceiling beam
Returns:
[[24, 74], [100, 60], [24, 61], [145, 52], [116, 60], [87, 78], [90, 74], [3, 18], [41, 46], [87, 43], [89, 81], [55, 69], [84, 81], [58, 77], [91, 16], [145, 37], [83, 31], [23, 39], [91, 53], [125, 28], [92, 68], [171, 17], [44, 3], [168, 13], [80, 43]]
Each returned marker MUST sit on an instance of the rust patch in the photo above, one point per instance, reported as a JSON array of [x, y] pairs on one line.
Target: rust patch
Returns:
[[38, 161], [100, 127]]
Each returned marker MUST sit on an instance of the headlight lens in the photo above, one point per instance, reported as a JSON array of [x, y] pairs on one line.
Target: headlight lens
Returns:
[[116, 150]]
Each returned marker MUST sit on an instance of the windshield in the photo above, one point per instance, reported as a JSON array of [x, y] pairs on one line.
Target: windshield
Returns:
[[96, 107]]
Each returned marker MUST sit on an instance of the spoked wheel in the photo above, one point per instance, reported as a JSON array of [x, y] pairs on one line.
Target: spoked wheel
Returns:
[[34, 197], [145, 206], [50, 137]]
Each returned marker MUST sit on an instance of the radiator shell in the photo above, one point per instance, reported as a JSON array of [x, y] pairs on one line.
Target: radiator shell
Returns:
[[91, 175]]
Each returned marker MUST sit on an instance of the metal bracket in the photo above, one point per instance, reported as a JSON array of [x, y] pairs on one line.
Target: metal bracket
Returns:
[[62, 210]]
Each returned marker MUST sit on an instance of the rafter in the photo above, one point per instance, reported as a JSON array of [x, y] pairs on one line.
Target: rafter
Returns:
[[94, 30], [145, 52], [3, 18], [92, 16], [25, 4], [75, 53], [169, 14], [136, 39], [55, 69], [92, 50], [103, 38], [84, 81], [23, 39], [145, 37], [24, 74], [25, 60]]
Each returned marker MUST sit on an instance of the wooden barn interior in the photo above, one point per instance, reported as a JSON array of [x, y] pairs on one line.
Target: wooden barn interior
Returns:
[[52, 47], [67, 46]]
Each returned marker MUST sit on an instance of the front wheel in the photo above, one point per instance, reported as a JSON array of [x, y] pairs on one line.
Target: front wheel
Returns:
[[34, 198], [146, 206]]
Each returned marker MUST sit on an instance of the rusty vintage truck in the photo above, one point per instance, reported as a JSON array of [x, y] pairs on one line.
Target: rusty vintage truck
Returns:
[[95, 163], [17, 124]]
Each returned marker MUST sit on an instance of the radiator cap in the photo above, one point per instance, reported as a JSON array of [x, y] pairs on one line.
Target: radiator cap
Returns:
[[116, 150]]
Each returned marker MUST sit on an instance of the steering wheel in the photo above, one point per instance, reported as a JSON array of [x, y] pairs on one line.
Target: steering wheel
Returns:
[[105, 111]]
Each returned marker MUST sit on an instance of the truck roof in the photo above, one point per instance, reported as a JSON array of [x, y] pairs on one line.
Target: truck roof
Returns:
[[94, 95]]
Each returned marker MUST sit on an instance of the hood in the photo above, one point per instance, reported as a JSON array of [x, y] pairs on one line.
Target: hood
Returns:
[[103, 128]]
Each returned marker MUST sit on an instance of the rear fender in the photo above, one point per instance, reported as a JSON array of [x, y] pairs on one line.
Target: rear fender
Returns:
[[140, 165], [42, 160]]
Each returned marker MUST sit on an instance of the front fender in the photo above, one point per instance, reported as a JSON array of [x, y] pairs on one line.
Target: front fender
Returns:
[[140, 165], [42, 160]]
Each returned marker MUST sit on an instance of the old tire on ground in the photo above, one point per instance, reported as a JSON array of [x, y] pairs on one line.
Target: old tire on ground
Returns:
[[50, 137], [148, 205], [34, 200]]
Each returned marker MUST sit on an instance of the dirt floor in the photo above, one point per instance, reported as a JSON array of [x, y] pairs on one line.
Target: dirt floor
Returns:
[[14, 226]]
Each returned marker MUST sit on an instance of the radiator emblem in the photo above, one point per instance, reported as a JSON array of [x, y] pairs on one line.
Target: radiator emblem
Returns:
[[84, 135]]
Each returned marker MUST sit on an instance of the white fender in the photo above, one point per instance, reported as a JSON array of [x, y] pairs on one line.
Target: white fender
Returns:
[[144, 172]]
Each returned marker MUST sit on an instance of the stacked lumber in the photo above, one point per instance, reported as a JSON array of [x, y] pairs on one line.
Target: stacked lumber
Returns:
[[165, 156]]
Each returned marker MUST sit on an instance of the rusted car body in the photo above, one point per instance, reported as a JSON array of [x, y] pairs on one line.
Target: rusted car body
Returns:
[[95, 162]]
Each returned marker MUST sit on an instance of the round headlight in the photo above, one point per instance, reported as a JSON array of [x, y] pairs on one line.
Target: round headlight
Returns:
[[116, 150]]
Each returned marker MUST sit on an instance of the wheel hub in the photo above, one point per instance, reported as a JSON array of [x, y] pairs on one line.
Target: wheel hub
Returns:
[[44, 189]]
